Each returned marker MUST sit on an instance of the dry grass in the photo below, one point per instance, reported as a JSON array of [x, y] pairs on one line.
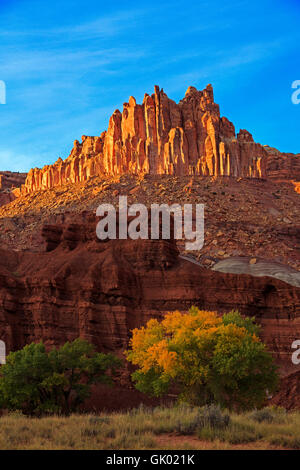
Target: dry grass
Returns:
[[158, 428]]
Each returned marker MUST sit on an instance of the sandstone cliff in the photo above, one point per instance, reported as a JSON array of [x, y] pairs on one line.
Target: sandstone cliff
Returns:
[[9, 179], [101, 290], [289, 393], [159, 136], [9, 182], [282, 165]]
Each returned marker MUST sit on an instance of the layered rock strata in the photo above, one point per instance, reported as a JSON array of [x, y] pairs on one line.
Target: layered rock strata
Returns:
[[82, 287], [10, 182]]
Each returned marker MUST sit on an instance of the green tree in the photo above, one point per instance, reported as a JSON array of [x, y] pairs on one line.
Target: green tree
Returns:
[[36, 381], [206, 357]]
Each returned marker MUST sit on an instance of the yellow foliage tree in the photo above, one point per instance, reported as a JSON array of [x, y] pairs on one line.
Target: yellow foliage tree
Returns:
[[207, 357]]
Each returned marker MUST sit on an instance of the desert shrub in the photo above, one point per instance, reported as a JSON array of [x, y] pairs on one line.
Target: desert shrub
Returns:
[[99, 420], [263, 415], [213, 417], [186, 427], [109, 433], [127, 441], [285, 441], [90, 432], [234, 433], [268, 415]]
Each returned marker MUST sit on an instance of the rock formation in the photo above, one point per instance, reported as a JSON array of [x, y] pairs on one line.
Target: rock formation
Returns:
[[100, 291], [9, 179], [9, 182], [289, 393], [282, 165], [160, 137], [297, 186]]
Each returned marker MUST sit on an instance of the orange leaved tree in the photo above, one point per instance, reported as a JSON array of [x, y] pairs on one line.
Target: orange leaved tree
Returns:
[[206, 357]]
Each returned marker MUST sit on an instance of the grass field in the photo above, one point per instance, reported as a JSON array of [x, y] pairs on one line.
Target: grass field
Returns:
[[179, 427]]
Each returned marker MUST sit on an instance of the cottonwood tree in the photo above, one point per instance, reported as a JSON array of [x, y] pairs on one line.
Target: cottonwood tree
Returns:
[[37, 382], [208, 358]]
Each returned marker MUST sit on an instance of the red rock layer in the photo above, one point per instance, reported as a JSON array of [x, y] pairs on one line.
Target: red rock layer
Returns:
[[289, 394], [102, 290], [6, 197], [282, 165], [10, 181], [160, 137]]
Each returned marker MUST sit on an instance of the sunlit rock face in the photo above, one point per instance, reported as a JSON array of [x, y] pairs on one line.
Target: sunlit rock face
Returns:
[[297, 186], [160, 136]]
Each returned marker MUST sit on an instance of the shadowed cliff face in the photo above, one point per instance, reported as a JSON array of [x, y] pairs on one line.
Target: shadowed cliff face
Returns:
[[283, 165], [159, 136], [10, 181], [102, 290], [288, 395]]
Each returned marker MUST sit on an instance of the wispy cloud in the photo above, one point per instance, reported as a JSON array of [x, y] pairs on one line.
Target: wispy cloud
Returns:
[[103, 26], [225, 60], [68, 65], [27, 63]]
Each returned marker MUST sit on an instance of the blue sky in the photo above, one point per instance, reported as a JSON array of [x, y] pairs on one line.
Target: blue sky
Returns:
[[68, 64]]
